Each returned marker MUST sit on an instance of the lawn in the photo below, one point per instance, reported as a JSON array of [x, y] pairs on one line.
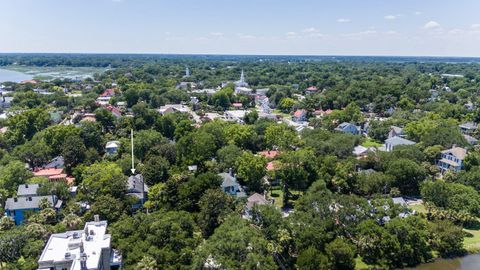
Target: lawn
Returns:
[[371, 143], [360, 265], [471, 242], [284, 115], [277, 195], [420, 208]]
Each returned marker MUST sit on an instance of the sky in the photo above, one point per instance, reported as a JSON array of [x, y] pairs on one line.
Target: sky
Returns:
[[259, 27]]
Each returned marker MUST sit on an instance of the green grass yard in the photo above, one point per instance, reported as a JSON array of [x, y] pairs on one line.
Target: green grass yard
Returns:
[[277, 195], [371, 143], [420, 208], [471, 242], [360, 265]]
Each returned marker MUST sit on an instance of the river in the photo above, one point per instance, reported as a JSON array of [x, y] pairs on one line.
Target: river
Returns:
[[470, 262], [13, 76]]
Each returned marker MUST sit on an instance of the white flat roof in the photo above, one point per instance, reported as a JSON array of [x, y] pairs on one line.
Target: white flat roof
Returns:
[[62, 243]]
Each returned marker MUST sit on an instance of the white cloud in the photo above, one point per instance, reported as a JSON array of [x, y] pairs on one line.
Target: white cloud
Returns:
[[475, 26], [431, 25], [216, 34], [316, 35], [391, 32], [456, 32], [310, 30], [360, 34], [417, 13], [244, 36], [391, 17], [343, 20]]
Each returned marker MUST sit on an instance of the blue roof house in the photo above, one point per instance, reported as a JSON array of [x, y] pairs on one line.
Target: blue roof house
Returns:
[[231, 186], [348, 128], [18, 208]]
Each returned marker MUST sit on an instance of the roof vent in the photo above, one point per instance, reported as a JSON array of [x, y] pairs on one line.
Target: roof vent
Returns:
[[26, 185], [75, 235], [68, 255], [96, 218], [15, 199]]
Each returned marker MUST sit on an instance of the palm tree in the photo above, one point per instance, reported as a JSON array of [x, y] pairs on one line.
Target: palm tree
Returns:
[[147, 263], [72, 221]]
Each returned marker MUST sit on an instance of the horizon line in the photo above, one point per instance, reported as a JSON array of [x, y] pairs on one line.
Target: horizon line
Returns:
[[236, 54]]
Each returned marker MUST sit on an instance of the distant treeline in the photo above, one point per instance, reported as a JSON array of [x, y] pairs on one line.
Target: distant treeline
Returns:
[[123, 60]]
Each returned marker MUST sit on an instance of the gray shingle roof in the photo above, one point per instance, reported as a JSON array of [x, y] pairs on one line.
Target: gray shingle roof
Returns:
[[397, 130], [468, 125], [26, 202], [458, 152], [135, 183], [399, 200], [27, 190], [256, 199], [394, 141], [228, 180], [56, 163]]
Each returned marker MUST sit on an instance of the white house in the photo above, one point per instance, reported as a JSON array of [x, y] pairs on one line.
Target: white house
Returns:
[[452, 159], [393, 142], [172, 108], [87, 249], [112, 147], [235, 115], [231, 186]]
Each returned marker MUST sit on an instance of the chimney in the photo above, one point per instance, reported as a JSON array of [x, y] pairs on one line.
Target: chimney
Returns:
[[26, 185], [83, 261], [81, 247], [15, 199], [230, 171], [96, 218]]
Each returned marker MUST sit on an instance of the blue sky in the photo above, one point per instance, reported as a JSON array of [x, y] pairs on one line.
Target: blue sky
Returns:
[[309, 27]]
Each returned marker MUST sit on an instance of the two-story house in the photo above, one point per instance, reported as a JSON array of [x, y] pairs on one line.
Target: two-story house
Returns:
[[452, 159], [231, 186], [396, 132], [468, 127], [87, 249], [299, 116], [348, 128], [393, 142]]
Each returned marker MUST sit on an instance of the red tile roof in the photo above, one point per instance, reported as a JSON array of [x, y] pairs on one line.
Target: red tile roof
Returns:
[[108, 93], [312, 88], [29, 81], [58, 176], [269, 154], [299, 113], [116, 111], [270, 166], [48, 172]]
